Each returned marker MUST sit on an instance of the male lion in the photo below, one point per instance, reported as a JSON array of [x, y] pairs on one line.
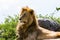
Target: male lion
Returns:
[[28, 28]]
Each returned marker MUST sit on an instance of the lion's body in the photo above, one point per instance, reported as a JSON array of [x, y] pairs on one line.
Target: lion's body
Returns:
[[28, 28]]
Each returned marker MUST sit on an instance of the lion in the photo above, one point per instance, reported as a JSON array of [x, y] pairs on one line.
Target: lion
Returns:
[[28, 28]]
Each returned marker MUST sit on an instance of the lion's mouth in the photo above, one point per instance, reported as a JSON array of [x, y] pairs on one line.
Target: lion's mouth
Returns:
[[23, 21]]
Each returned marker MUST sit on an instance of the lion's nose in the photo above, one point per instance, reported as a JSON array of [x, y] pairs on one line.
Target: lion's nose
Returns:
[[20, 19]]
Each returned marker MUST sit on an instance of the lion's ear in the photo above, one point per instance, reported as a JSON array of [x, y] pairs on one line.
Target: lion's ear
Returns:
[[23, 9], [31, 11]]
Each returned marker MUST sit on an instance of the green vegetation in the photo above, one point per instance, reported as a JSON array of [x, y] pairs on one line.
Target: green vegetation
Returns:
[[50, 17], [7, 29]]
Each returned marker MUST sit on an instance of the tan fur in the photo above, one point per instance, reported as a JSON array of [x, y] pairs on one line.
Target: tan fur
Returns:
[[28, 28]]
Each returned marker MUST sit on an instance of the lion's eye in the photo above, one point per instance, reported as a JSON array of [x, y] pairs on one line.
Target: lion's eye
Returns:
[[31, 11], [24, 14]]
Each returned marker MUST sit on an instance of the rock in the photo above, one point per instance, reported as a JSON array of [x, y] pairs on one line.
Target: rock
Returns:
[[49, 24]]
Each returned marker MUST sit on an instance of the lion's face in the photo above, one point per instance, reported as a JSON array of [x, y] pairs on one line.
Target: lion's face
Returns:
[[26, 16]]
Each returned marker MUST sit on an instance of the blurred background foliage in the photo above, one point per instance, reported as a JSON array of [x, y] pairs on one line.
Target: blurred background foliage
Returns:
[[7, 29]]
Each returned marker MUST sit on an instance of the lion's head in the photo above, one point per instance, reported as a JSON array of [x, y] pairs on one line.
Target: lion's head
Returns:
[[26, 21], [26, 16]]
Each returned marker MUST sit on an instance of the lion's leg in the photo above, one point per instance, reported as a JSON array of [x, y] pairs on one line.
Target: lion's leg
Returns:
[[48, 34], [18, 30], [53, 35]]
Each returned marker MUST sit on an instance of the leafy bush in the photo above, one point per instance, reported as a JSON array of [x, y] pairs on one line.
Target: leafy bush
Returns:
[[50, 17], [7, 29]]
